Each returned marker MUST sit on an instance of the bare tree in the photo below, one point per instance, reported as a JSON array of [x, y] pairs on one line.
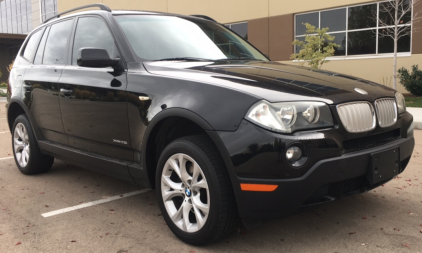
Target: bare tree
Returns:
[[397, 17]]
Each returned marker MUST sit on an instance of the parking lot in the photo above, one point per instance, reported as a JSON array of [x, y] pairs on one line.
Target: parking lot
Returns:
[[387, 219]]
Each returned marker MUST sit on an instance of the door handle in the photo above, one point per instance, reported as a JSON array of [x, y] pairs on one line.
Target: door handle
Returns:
[[65, 92]]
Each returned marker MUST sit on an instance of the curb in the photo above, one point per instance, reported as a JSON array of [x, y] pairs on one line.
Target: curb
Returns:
[[417, 125], [417, 116]]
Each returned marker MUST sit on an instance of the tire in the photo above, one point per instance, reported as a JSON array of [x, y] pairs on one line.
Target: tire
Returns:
[[204, 193], [28, 156]]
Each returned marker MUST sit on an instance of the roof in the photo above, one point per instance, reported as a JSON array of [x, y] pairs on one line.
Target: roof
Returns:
[[126, 12]]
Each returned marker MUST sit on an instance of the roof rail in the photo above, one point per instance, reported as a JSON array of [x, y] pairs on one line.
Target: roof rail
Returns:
[[103, 7], [204, 17]]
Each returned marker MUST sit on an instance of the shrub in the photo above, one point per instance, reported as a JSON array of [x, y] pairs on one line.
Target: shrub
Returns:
[[3, 85], [318, 45], [411, 81]]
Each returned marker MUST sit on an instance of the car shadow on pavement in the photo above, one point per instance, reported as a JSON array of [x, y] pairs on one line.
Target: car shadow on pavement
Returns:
[[333, 226]]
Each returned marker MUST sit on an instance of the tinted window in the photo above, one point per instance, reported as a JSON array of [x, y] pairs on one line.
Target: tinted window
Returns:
[[40, 51], [340, 39], [362, 16], [335, 20], [386, 12], [311, 18], [93, 32], [32, 44], [297, 49], [386, 44], [361, 42], [56, 47], [363, 33], [241, 29]]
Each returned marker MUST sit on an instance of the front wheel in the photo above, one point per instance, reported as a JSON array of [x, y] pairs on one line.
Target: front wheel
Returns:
[[194, 191]]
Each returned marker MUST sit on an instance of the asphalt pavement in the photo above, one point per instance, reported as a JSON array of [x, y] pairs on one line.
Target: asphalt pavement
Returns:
[[104, 214]]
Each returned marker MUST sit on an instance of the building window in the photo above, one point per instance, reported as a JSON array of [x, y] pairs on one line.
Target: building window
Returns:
[[15, 16], [240, 28], [48, 9], [355, 29]]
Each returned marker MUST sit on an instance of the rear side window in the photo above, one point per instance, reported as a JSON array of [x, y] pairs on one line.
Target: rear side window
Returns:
[[93, 32], [40, 51], [31, 46], [56, 47]]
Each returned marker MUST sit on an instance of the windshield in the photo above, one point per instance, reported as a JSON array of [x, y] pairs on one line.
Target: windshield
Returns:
[[154, 37]]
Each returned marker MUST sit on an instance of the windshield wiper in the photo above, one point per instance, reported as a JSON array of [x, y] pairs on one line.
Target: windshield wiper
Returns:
[[239, 58], [183, 59]]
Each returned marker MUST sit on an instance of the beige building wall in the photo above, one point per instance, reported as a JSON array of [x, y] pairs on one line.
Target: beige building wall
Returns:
[[36, 14], [230, 11], [379, 70]]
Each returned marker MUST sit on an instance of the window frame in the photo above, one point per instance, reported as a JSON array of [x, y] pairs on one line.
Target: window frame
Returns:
[[70, 36], [21, 53], [46, 30], [72, 39], [229, 26], [377, 28]]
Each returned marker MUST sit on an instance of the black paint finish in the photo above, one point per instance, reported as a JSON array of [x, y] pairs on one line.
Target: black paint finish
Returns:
[[94, 110], [41, 91], [104, 118]]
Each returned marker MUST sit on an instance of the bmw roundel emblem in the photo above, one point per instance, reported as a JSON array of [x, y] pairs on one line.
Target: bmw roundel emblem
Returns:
[[364, 92], [187, 191]]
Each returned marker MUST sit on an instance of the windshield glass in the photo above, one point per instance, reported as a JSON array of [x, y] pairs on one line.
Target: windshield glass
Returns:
[[154, 37]]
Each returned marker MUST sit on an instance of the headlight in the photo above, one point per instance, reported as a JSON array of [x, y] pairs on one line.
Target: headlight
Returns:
[[401, 103], [290, 116]]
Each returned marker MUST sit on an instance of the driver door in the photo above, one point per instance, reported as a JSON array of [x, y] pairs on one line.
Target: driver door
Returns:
[[93, 100]]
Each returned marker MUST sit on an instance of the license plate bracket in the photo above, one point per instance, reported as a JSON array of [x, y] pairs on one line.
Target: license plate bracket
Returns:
[[384, 165]]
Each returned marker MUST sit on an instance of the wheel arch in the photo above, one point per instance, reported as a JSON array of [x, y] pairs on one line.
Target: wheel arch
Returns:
[[15, 108], [163, 124]]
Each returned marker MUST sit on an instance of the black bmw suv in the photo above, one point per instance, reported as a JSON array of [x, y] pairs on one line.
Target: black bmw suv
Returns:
[[184, 105]]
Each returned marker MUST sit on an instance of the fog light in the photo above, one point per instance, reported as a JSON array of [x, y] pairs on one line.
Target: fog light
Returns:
[[293, 154]]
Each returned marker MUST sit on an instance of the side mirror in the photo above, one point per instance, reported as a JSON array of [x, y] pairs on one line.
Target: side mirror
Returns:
[[95, 58]]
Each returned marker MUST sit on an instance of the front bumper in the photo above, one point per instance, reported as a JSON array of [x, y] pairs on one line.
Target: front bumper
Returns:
[[327, 180], [335, 173]]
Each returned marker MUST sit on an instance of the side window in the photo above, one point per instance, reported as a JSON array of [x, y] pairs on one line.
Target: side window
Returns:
[[56, 47], [32, 44], [40, 51], [93, 32]]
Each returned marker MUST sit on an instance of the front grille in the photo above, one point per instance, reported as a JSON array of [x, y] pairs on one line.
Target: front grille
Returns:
[[386, 111], [357, 117], [371, 141]]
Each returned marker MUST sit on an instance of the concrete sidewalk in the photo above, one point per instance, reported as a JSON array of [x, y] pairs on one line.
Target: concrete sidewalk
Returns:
[[417, 116]]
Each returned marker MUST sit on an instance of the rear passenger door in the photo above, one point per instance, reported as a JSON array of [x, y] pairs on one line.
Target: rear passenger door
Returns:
[[93, 100], [41, 78]]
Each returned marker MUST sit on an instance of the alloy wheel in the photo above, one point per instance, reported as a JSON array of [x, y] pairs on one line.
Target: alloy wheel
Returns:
[[185, 193], [21, 144]]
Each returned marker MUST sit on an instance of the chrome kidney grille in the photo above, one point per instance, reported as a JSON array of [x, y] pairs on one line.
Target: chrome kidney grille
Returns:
[[386, 111], [357, 117]]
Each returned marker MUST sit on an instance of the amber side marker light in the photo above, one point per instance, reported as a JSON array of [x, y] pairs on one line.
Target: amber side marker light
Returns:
[[258, 187]]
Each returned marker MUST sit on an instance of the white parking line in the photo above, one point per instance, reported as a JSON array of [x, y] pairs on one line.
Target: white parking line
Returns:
[[93, 203], [5, 158], [4, 132]]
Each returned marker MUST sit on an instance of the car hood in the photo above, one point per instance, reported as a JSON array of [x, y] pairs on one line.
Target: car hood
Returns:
[[274, 82]]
